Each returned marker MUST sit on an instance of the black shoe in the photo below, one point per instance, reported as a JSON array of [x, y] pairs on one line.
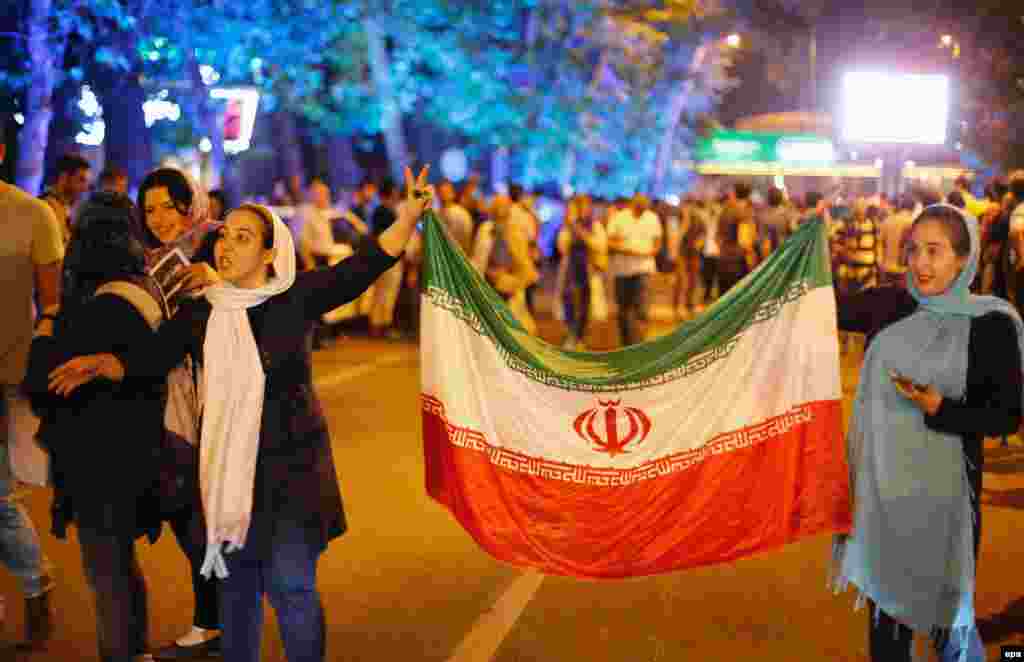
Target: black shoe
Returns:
[[209, 648], [38, 622]]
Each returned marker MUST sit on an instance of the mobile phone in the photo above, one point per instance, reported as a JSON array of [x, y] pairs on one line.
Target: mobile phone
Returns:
[[906, 382]]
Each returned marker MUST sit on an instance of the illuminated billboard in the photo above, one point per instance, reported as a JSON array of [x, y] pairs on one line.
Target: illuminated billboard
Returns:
[[726, 146], [895, 108]]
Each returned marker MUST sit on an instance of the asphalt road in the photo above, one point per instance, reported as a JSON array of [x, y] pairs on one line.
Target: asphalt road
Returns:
[[406, 583]]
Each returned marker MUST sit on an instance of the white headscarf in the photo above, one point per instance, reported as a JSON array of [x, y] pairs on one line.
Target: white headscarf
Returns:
[[233, 382]]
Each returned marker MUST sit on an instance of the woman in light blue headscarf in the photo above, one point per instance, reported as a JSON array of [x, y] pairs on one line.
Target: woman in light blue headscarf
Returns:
[[942, 371]]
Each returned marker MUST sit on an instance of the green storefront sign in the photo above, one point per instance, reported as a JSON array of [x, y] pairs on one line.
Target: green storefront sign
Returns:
[[751, 147]]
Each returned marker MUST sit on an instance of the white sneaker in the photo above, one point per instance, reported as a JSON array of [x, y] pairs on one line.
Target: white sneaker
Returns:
[[196, 636]]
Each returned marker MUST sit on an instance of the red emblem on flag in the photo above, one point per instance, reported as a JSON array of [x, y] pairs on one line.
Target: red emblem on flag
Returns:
[[604, 431]]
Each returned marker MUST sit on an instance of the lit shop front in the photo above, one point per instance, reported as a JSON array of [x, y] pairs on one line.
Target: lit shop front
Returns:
[[802, 162], [792, 161]]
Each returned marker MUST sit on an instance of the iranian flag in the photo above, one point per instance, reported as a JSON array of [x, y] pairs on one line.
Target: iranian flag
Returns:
[[718, 441]]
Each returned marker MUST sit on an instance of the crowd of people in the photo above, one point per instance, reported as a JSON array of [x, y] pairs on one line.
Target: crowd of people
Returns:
[[112, 341]]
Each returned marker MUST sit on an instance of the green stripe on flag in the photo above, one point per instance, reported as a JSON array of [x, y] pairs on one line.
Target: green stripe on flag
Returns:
[[451, 283]]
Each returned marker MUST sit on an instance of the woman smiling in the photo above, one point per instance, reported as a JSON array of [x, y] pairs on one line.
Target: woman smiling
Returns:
[[942, 371]]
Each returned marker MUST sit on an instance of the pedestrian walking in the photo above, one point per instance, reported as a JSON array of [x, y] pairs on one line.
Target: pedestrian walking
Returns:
[[34, 249], [635, 236]]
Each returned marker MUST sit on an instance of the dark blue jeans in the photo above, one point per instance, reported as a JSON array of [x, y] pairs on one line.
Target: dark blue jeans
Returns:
[[576, 303], [287, 576], [630, 296], [119, 590]]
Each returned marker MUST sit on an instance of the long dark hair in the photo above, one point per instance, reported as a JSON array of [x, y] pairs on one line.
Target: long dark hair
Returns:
[[178, 189], [105, 246]]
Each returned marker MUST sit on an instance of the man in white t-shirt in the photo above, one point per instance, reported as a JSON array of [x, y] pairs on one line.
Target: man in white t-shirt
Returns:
[[634, 238], [316, 236], [31, 253]]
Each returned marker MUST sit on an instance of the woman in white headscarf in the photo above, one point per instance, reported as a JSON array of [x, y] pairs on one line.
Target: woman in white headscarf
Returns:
[[269, 488]]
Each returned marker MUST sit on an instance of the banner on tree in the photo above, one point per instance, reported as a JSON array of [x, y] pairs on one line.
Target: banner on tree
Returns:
[[718, 441]]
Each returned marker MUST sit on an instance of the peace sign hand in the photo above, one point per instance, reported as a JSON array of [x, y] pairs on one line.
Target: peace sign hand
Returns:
[[418, 193]]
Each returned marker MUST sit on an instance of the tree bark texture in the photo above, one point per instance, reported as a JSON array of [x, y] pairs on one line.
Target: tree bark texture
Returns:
[[391, 120], [285, 135], [43, 60], [129, 143]]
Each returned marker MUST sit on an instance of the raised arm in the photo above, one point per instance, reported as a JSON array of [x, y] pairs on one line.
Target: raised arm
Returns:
[[325, 290]]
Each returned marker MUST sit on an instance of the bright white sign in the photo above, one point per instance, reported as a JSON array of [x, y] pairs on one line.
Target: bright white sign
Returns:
[[895, 108], [239, 116], [805, 151]]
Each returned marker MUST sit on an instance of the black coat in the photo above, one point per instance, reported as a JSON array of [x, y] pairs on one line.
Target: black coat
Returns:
[[105, 438]]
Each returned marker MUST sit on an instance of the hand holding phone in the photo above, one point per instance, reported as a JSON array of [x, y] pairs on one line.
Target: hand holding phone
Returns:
[[906, 385]]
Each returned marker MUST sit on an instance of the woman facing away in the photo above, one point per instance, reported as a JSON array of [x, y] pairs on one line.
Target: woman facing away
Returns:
[[269, 488], [942, 371], [104, 474]]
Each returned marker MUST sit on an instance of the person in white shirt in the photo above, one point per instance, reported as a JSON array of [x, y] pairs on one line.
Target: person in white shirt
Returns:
[[316, 238], [317, 247], [522, 215], [634, 238], [456, 217]]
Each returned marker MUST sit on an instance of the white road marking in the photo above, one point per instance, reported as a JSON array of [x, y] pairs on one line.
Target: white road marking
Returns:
[[483, 639], [338, 377]]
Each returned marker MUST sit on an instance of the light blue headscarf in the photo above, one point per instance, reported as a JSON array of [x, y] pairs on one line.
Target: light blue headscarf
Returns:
[[911, 549]]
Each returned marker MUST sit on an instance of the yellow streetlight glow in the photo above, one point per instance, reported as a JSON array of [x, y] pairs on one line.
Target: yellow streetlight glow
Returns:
[[733, 40], [947, 40]]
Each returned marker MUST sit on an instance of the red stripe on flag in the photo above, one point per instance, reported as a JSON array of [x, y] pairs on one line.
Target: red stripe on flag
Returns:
[[723, 506]]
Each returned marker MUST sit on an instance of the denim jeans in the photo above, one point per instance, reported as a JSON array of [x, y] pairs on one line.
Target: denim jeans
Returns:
[[630, 294], [576, 302], [891, 641], [287, 575], [19, 543]]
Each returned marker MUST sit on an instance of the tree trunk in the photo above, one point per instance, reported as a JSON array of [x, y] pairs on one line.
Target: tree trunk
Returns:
[[128, 142], [391, 114], [666, 148], [39, 99], [60, 136], [289, 150], [342, 169]]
